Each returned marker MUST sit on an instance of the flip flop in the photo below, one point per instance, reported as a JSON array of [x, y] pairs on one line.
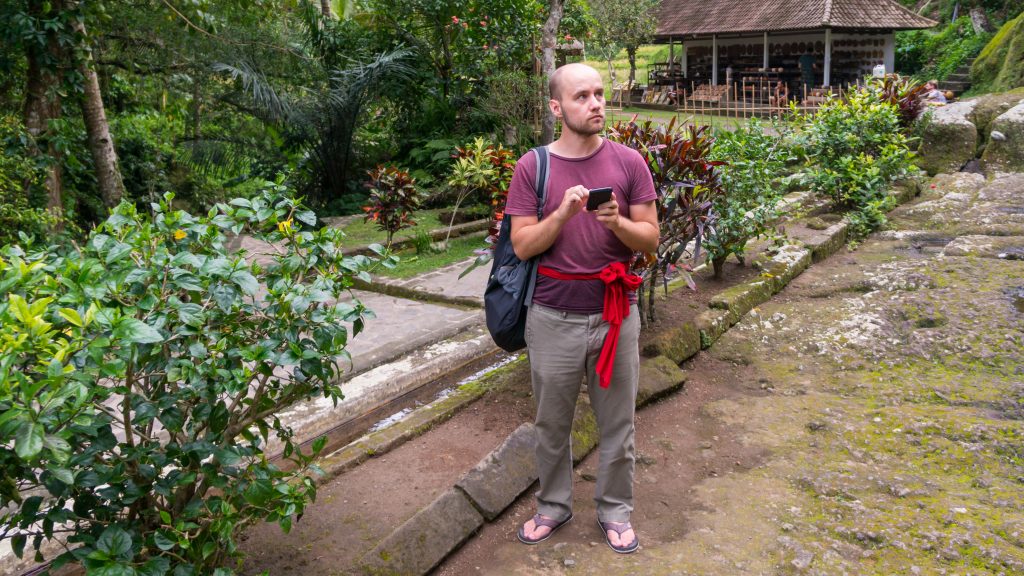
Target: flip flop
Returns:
[[619, 528], [539, 520]]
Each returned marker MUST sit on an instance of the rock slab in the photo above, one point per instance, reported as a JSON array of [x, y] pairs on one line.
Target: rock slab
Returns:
[[949, 139], [498, 479], [425, 539], [1006, 154]]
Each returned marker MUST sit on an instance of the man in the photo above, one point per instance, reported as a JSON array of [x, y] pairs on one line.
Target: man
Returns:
[[808, 65], [932, 94], [566, 328]]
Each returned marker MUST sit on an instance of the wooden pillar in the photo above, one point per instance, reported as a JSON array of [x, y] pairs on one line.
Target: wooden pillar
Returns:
[[828, 57], [765, 51], [684, 63], [671, 57], [714, 59]]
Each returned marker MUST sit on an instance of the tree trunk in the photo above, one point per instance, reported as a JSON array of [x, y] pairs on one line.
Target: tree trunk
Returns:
[[718, 264], [548, 33], [42, 102], [980, 21], [325, 8], [631, 51], [101, 144]]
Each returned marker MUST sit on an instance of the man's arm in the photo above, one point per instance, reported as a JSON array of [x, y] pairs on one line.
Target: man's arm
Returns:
[[530, 237], [639, 231]]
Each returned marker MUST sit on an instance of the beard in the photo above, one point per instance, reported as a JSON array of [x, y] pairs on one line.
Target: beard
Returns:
[[583, 127]]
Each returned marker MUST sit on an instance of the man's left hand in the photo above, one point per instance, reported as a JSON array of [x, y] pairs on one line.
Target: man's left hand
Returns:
[[608, 214]]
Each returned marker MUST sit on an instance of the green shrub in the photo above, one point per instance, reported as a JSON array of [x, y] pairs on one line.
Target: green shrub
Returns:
[[853, 150], [926, 54], [393, 199], [20, 176], [1000, 65], [755, 161], [688, 183], [140, 376]]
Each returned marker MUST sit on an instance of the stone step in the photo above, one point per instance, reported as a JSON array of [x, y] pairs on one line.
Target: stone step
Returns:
[[947, 85], [958, 77]]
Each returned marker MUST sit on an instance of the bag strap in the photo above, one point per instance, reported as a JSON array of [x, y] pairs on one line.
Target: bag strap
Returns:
[[541, 188], [541, 185]]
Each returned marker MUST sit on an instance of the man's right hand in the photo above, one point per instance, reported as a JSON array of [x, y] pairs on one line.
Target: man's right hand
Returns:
[[573, 202]]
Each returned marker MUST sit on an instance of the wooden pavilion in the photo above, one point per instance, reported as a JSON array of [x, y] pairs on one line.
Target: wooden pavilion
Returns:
[[761, 41]]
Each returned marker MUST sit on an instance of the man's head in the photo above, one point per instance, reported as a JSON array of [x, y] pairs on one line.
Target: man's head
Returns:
[[577, 97]]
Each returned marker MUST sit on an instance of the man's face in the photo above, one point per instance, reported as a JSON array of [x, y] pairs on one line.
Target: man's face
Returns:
[[581, 102]]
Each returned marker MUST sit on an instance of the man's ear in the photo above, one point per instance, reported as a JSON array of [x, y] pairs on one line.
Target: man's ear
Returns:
[[556, 107]]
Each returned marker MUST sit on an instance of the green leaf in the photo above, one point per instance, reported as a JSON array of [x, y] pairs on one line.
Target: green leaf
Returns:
[[155, 566], [137, 331], [306, 217], [19, 308], [209, 548], [246, 281], [72, 316], [115, 542], [119, 251], [112, 570], [163, 542], [18, 544], [318, 444], [165, 516], [62, 474], [29, 441]]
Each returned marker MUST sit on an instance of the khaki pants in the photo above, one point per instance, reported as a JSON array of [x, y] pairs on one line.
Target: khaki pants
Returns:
[[563, 348]]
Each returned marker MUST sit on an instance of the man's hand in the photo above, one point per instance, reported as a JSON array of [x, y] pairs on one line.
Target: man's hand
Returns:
[[573, 202], [608, 214]]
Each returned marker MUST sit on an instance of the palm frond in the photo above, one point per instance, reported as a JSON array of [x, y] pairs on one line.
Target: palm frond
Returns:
[[275, 107], [362, 79], [216, 156]]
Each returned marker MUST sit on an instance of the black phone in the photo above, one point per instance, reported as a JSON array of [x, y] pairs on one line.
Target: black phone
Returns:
[[597, 197]]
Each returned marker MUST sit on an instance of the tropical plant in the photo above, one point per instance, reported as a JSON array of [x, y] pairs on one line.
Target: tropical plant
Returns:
[[688, 182], [393, 199], [318, 122], [485, 169], [141, 374], [756, 160], [904, 94], [853, 150], [20, 175]]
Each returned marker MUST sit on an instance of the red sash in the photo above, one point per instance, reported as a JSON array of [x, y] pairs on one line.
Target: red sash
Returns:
[[616, 308]]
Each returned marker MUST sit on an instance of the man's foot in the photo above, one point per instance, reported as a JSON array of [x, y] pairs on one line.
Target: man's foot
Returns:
[[540, 528], [620, 536]]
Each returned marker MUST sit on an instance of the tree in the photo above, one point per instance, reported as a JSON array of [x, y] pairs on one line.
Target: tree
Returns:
[[626, 23], [101, 144], [548, 41]]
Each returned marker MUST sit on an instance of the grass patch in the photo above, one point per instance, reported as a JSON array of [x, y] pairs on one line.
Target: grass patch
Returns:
[[644, 55], [412, 264], [664, 116], [360, 232]]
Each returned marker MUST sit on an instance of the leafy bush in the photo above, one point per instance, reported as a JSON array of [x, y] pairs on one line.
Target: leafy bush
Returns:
[[393, 199], [141, 374], [688, 182], [485, 170], [904, 94], [926, 54], [750, 205], [20, 175], [853, 149]]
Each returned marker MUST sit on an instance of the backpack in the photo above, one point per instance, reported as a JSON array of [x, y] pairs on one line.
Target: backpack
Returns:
[[510, 285]]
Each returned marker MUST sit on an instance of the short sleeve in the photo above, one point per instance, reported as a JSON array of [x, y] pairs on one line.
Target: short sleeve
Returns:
[[522, 195]]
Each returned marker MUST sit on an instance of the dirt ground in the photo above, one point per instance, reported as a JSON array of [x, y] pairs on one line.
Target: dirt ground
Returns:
[[380, 494]]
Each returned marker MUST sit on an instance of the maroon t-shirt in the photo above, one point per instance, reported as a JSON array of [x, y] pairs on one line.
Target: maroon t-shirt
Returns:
[[584, 246]]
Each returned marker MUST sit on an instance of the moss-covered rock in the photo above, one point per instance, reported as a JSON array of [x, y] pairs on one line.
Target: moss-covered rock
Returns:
[[1005, 150], [1000, 66], [949, 138]]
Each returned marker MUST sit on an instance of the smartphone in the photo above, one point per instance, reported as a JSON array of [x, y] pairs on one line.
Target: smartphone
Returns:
[[597, 197]]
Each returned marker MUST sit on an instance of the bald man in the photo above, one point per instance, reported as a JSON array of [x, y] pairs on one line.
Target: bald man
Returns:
[[583, 321]]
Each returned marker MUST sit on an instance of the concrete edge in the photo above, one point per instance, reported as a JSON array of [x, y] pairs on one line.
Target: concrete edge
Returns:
[[400, 291], [417, 422]]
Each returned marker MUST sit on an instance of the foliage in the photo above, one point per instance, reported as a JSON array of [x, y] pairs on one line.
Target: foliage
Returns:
[[930, 55], [318, 122], [20, 175], [623, 23], [755, 161], [902, 93], [140, 375], [853, 149], [486, 170], [393, 199], [1000, 66], [688, 182]]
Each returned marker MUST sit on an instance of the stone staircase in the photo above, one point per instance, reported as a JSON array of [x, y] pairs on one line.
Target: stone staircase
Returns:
[[959, 81]]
